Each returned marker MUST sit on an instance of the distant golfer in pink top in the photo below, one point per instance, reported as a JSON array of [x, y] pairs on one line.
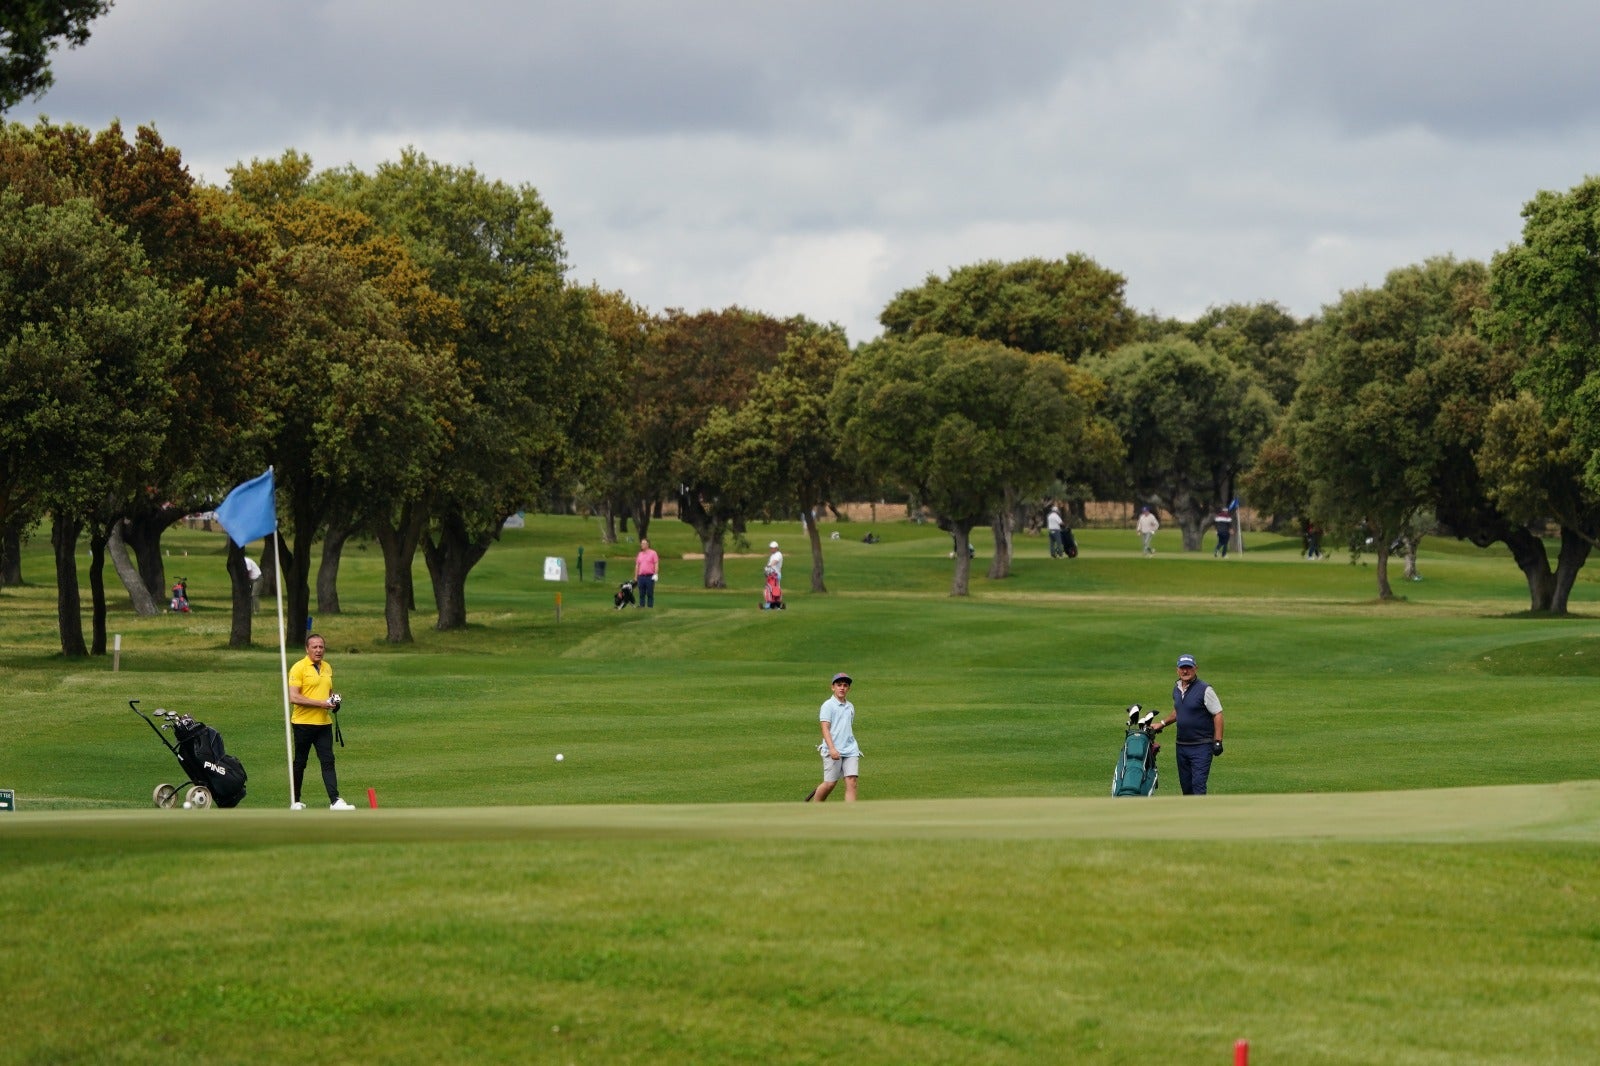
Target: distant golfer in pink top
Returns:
[[645, 565]]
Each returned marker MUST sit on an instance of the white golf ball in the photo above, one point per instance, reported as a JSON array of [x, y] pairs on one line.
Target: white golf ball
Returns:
[[559, 757], [188, 806]]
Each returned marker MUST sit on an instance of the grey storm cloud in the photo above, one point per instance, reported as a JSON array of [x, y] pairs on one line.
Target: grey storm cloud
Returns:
[[817, 158]]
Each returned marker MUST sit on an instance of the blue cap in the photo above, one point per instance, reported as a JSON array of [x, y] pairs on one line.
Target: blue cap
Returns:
[[1186, 660], [841, 677]]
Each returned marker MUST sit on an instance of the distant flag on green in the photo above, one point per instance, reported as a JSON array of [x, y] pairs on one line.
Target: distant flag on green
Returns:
[[250, 512]]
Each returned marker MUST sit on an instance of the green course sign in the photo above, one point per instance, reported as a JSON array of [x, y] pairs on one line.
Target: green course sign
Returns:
[[8, 800]]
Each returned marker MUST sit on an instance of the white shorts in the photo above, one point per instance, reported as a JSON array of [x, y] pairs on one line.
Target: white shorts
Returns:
[[833, 769]]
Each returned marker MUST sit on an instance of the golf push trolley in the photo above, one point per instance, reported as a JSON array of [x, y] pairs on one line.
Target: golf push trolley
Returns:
[[1136, 773], [215, 778]]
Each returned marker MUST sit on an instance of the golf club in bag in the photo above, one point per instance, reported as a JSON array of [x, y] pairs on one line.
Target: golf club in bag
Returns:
[[214, 776], [1135, 774]]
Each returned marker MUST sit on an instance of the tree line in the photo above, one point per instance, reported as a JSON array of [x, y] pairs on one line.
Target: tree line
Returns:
[[407, 349]]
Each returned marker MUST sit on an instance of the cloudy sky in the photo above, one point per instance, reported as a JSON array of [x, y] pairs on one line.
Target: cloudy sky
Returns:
[[818, 157]]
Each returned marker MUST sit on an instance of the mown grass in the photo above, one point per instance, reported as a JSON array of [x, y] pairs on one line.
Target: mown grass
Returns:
[[1390, 870]]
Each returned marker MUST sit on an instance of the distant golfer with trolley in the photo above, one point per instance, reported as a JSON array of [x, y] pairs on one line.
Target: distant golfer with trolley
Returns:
[[841, 755], [315, 704], [1197, 710]]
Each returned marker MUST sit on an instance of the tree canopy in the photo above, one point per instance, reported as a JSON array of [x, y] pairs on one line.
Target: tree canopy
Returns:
[[1070, 306], [1190, 419], [960, 421], [29, 32]]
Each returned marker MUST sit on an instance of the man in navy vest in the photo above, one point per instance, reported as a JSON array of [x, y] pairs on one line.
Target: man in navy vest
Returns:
[[1198, 712]]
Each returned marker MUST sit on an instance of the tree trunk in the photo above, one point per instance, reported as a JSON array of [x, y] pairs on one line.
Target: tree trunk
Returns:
[[97, 590], [11, 558], [399, 544], [269, 569], [808, 518], [711, 541], [1381, 548], [144, 605], [449, 562], [328, 569], [294, 567], [1529, 553], [710, 531], [239, 629], [143, 531], [1190, 518], [642, 509], [608, 521], [1409, 544], [1574, 552], [962, 533], [69, 621], [1002, 525]]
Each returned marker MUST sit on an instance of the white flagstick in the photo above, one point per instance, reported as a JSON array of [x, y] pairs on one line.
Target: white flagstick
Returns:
[[283, 666]]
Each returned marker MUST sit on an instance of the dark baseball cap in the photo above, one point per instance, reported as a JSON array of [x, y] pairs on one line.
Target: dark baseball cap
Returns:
[[842, 677], [1186, 660]]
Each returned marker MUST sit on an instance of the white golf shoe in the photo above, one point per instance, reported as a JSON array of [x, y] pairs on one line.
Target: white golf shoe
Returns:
[[297, 806], [340, 805]]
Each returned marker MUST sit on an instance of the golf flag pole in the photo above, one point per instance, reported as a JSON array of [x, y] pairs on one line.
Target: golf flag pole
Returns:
[[248, 513], [1238, 524], [283, 664]]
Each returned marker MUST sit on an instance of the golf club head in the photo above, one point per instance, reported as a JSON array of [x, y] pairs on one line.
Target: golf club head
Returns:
[[1133, 713], [1149, 717]]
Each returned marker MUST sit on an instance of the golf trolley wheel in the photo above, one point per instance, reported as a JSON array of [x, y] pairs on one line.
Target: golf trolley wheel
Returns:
[[165, 795], [199, 796]]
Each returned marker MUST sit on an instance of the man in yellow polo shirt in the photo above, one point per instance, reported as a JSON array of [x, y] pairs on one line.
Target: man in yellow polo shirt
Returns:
[[311, 693]]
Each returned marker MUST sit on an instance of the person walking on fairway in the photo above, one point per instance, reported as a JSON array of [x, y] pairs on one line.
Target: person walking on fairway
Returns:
[[1052, 523], [775, 562], [645, 566], [1198, 711], [1224, 523], [311, 720], [841, 755], [1148, 524]]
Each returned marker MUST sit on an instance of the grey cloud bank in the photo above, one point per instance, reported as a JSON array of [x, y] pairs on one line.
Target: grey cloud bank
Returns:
[[816, 160]]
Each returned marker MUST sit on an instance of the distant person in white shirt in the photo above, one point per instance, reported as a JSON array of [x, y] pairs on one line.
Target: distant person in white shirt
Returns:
[[775, 561], [1148, 524], [1052, 523]]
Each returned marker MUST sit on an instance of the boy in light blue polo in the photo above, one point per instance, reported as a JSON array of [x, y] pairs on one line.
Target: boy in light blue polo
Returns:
[[841, 755]]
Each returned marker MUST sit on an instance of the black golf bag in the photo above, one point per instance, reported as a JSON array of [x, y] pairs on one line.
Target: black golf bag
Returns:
[[201, 753], [624, 596], [1136, 766], [214, 776], [1069, 543]]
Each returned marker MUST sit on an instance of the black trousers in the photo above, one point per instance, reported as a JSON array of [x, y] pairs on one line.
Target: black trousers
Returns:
[[320, 737]]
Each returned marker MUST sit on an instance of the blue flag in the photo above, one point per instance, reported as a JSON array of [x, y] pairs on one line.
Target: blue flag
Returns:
[[250, 512], [1234, 506]]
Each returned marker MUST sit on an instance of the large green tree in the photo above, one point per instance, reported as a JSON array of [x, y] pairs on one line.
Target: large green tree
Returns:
[[203, 257], [88, 340], [534, 361], [696, 365], [359, 378], [1546, 293], [1070, 306], [1262, 336], [1533, 472], [29, 31], [962, 422], [1365, 425], [779, 447], [1190, 419]]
